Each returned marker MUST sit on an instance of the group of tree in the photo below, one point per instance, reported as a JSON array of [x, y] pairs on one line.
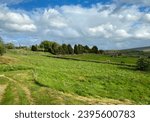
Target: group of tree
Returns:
[[55, 48]]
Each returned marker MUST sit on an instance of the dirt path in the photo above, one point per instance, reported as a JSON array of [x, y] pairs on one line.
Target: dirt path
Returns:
[[2, 91]]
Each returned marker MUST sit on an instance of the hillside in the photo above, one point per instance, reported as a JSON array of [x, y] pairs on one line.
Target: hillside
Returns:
[[145, 49], [36, 78]]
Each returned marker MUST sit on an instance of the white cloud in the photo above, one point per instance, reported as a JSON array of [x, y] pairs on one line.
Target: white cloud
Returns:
[[76, 24], [122, 34], [109, 31], [129, 17], [147, 17], [142, 33], [21, 28], [13, 21], [102, 30], [139, 2], [53, 18]]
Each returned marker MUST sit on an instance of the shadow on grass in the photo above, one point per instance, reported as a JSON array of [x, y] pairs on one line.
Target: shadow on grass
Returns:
[[133, 69], [40, 84], [127, 68]]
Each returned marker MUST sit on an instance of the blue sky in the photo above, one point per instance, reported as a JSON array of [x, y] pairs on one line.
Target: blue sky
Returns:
[[109, 24], [32, 4]]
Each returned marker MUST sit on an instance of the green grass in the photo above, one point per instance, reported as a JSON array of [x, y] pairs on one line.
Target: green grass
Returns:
[[60, 81], [107, 58], [3, 80], [9, 97]]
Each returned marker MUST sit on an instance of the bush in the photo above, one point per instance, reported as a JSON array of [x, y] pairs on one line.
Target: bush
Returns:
[[122, 62], [143, 64], [10, 46], [34, 48], [2, 48]]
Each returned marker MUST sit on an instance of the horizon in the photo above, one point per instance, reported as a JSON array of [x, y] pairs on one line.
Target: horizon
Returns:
[[29, 46], [108, 24]]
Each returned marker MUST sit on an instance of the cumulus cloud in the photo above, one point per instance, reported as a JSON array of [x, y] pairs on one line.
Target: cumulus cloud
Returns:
[[147, 17], [138, 2], [14, 21], [52, 18], [143, 33], [99, 24], [122, 34], [105, 30]]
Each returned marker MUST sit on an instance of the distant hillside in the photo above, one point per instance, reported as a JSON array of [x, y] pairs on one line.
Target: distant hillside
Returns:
[[145, 49], [133, 52]]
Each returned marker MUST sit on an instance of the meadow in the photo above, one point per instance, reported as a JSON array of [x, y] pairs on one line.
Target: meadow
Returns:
[[105, 58], [37, 78]]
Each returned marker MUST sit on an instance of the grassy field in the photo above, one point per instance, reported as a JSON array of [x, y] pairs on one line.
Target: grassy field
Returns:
[[105, 58], [35, 78]]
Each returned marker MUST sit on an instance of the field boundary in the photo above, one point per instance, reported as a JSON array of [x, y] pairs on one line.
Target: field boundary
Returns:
[[94, 61]]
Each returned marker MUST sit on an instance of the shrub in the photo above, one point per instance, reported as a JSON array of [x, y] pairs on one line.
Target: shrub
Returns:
[[9, 46], [143, 64], [2, 48], [34, 48], [122, 62]]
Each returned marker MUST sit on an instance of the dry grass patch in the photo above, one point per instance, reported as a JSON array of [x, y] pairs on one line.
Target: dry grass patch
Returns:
[[2, 91], [7, 60]]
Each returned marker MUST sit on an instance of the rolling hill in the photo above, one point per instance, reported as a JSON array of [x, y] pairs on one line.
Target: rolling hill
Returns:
[[145, 49]]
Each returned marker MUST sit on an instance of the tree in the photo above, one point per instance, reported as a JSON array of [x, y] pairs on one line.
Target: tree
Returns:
[[143, 64], [80, 49], [86, 49], [94, 49], [60, 50], [65, 48], [34, 48], [76, 51], [70, 49], [51, 47], [101, 51], [55, 47], [2, 47], [46, 45], [50, 50]]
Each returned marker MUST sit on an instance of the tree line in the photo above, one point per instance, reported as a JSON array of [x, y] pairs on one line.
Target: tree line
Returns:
[[55, 48]]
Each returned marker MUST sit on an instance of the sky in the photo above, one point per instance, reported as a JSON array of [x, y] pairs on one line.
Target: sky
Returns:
[[108, 24]]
